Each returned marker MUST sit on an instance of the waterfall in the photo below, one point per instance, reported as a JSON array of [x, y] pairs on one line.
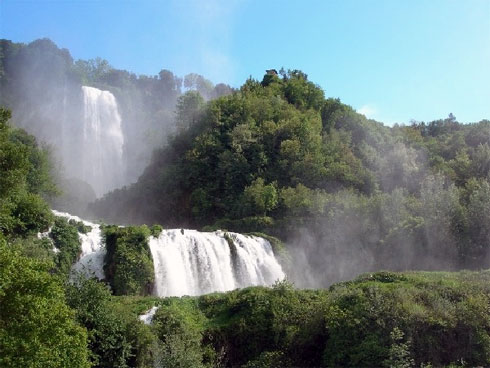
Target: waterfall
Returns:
[[147, 317], [91, 261], [102, 142], [188, 262]]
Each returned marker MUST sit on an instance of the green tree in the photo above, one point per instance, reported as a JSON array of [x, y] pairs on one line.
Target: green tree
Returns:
[[260, 197], [399, 351], [189, 109], [24, 176], [107, 330], [37, 328], [178, 328], [200, 84]]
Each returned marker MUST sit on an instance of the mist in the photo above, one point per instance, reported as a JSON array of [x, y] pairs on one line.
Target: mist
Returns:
[[101, 123], [413, 218]]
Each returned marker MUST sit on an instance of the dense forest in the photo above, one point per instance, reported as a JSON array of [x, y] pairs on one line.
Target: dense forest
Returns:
[[347, 196]]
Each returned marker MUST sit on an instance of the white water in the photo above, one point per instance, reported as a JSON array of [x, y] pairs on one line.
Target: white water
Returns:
[[102, 142], [147, 318], [91, 261], [195, 263], [189, 262]]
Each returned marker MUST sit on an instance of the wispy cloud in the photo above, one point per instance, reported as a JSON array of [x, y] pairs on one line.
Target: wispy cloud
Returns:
[[212, 24]]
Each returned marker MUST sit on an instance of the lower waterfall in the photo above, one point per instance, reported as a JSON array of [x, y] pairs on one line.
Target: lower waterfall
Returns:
[[189, 262]]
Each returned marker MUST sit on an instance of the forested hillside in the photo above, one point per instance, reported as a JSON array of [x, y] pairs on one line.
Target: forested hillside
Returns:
[[346, 193]]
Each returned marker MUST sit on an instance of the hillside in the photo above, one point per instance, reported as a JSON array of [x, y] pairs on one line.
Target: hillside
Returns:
[[346, 194]]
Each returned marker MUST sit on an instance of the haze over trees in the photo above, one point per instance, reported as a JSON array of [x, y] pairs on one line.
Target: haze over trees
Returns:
[[41, 84]]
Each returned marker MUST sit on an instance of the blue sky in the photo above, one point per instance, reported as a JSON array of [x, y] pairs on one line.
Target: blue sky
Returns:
[[390, 59]]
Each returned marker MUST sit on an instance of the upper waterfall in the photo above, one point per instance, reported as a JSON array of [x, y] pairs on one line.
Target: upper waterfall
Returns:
[[102, 142]]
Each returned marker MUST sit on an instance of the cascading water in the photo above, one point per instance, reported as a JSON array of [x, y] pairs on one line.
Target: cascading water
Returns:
[[91, 261], [147, 317], [188, 262], [102, 144]]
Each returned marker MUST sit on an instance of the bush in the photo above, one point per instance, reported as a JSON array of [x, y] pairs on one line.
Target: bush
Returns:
[[32, 214], [66, 240], [81, 227], [178, 326], [128, 262], [156, 230], [116, 337], [426, 318]]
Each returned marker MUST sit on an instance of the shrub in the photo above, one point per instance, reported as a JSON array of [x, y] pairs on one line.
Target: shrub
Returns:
[[66, 240], [128, 262]]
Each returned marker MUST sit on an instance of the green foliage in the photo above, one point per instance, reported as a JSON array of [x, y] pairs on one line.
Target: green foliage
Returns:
[[246, 224], [278, 157], [416, 318], [24, 176], [261, 198], [380, 319], [302, 93], [178, 327], [233, 156], [91, 71], [399, 355], [31, 213], [34, 247], [81, 227], [255, 324], [37, 329], [116, 337], [268, 359], [14, 162], [66, 240], [200, 84], [155, 230], [128, 263], [189, 108], [39, 178]]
